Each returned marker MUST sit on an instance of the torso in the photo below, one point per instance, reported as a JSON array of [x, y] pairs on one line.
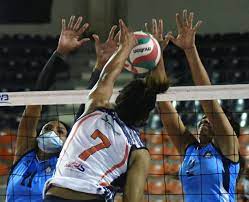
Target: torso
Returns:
[[206, 175], [27, 178], [95, 154]]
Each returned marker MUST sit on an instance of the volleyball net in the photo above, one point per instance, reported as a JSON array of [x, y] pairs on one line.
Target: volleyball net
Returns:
[[163, 184]]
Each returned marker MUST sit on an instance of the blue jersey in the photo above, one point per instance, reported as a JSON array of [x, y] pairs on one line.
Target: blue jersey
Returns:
[[208, 176], [27, 178]]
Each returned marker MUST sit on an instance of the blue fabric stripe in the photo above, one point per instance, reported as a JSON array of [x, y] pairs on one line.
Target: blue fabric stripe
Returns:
[[226, 175], [132, 134]]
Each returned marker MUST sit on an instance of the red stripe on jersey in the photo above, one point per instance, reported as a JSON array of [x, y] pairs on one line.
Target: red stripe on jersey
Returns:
[[78, 125], [117, 165], [149, 57]]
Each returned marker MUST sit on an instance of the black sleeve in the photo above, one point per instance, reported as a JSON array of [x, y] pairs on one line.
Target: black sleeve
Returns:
[[48, 74], [92, 81]]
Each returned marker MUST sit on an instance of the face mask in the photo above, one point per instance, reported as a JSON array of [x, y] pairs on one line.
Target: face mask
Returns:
[[49, 142]]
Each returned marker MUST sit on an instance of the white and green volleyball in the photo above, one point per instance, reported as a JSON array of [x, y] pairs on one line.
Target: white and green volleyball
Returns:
[[145, 55]]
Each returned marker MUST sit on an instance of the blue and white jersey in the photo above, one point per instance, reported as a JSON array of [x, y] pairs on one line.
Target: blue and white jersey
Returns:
[[27, 178], [208, 176], [96, 153]]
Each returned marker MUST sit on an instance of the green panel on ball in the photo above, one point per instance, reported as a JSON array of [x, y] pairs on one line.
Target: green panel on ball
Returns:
[[143, 40], [147, 65]]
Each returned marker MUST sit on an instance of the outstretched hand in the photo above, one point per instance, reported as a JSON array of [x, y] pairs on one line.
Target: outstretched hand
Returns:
[[186, 31], [70, 35], [127, 38], [105, 50], [157, 32]]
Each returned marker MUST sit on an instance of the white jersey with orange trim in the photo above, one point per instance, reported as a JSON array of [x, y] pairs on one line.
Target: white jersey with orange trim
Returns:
[[95, 153]]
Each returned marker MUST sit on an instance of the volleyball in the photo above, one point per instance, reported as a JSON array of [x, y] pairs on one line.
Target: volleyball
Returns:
[[145, 55]]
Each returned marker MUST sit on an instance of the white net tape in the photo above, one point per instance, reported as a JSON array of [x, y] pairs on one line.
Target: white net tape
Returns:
[[184, 93]]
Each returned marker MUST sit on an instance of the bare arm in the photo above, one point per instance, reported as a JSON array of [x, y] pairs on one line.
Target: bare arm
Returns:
[[176, 130], [169, 116], [103, 53], [225, 138], [136, 176], [102, 91], [157, 78], [26, 134]]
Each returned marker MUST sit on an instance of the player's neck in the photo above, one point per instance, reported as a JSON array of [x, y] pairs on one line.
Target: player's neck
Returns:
[[42, 156]]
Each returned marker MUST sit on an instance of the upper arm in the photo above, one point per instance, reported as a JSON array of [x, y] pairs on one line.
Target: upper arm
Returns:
[[136, 176], [26, 134], [103, 89], [176, 130], [224, 135]]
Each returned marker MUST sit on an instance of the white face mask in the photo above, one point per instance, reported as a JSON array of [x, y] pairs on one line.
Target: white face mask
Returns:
[[49, 142]]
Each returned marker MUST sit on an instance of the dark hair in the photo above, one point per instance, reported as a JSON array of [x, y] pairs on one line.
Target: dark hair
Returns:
[[68, 128], [235, 125], [134, 102], [233, 122]]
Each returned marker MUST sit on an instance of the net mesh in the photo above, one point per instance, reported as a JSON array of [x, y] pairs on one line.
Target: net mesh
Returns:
[[163, 184]]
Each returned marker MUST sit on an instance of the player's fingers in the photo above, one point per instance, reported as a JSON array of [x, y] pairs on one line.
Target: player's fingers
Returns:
[[77, 24], [83, 29], [185, 17], [116, 38], [112, 32], [190, 19], [82, 41], [71, 22], [154, 27], [96, 39], [169, 36], [160, 28], [198, 24], [146, 27], [178, 23], [63, 24]]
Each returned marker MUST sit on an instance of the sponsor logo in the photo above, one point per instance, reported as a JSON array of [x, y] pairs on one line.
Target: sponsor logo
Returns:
[[4, 98], [75, 165], [141, 50], [208, 154]]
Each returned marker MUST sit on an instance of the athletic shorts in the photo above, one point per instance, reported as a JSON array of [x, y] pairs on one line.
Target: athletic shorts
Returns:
[[50, 198]]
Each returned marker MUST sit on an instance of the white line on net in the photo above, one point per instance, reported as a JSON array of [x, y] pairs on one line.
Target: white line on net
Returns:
[[183, 93]]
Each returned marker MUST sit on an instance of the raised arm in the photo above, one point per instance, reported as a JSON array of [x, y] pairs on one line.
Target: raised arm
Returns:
[[225, 138], [102, 91], [103, 53], [169, 116], [157, 78], [69, 41]]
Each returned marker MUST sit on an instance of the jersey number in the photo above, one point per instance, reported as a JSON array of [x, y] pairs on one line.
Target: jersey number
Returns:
[[105, 144]]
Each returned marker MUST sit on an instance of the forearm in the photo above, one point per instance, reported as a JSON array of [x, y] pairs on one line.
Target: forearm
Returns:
[[26, 134], [94, 78], [92, 81], [176, 130], [115, 65], [200, 77], [199, 74], [109, 74], [47, 76], [28, 124], [158, 79]]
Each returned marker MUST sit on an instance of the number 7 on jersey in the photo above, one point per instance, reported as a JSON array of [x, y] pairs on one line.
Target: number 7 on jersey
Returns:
[[105, 144]]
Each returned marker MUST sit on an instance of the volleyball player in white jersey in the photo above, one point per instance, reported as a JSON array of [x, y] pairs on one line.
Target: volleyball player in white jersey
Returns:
[[104, 144]]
